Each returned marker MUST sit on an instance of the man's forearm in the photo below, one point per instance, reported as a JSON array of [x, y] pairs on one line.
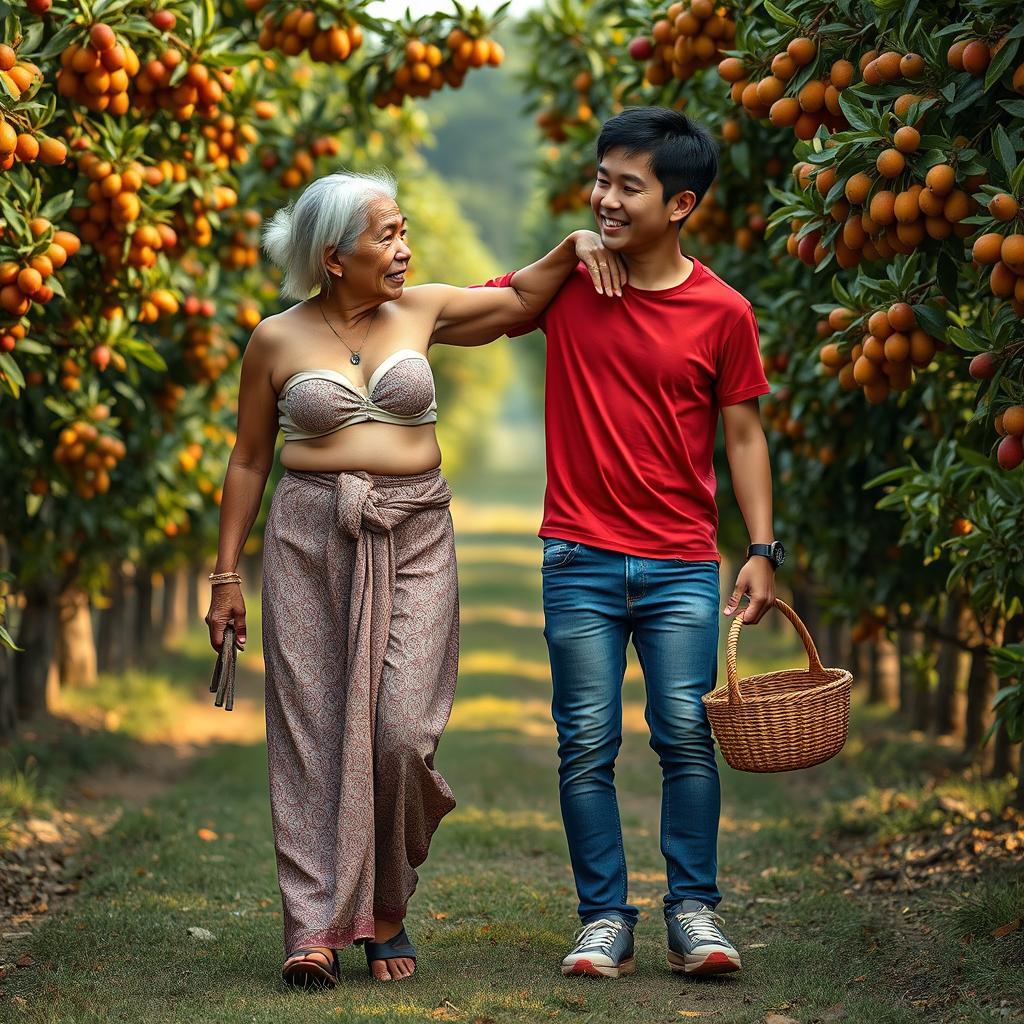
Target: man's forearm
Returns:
[[537, 284], [752, 484], [240, 504]]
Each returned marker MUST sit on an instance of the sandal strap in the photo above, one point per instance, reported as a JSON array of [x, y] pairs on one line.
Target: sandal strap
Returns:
[[306, 952], [397, 947]]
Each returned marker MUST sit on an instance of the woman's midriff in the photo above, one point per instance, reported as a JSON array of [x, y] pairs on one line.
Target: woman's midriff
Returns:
[[384, 448]]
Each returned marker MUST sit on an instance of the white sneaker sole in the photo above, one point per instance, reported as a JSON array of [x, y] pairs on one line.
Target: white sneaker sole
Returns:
[[718, 961], [588, 968]]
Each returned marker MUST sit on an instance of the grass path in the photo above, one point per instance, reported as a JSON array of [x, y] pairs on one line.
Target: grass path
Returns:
[[494, 911]]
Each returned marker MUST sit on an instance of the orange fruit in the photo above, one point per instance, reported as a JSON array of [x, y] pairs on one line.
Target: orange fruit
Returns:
[[769, 90], [1012, 251], [866, 371], [882, 207], [890, 163], [802, 50], [901, 317], [955, 55], [857, 187], [783, 66], [922, 348], [1013, 419], [1003, 207], [975, 58], [840, 318], [873, 349], [812, 96], [912, 66], [732, 69], [102, 36], [784, 112], [841, 74], [888, 66], [1002, 282], [907, 139], [906, 208], [940, 179]]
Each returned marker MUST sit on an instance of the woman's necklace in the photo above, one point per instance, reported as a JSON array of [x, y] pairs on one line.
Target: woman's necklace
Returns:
[[354, 359]]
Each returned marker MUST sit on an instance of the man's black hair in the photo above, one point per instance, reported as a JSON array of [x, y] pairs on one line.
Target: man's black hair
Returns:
[[682, 154]]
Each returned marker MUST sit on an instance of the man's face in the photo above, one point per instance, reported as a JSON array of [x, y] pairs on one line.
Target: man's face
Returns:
[[628, 203]]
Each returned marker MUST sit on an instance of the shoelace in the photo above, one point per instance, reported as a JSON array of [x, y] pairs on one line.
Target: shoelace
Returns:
[[702, 925], [598, 935]]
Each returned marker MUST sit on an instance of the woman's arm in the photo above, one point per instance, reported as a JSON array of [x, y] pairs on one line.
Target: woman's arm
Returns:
[[245, 480], [488, 312]]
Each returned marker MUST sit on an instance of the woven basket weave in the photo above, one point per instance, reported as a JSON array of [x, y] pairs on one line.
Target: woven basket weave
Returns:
[[780, 721]]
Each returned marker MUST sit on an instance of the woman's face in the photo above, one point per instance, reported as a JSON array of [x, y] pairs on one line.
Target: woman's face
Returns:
[[376, 268]]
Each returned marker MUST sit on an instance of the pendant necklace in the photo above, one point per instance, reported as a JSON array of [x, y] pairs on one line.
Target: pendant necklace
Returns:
[[354, 358]]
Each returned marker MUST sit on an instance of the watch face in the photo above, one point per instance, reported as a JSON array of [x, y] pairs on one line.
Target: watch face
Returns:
[[778, 553]]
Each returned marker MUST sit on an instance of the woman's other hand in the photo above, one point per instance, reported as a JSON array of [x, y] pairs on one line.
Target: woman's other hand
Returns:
[[607, 268], [226, 605]]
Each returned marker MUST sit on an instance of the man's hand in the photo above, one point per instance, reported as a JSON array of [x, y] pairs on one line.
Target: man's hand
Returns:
[[757, 580], [607, 268]]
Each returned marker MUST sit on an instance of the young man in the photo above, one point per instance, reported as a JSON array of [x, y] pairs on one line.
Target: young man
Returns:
[[636, 378]]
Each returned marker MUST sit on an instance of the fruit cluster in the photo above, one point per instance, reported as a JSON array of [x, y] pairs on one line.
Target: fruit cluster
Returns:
[[878, 222], [712, 223], [98, 73], [974, 56], [157, 303], [11, 335], [890, 349], [814, 104], [1003, 253], [208, 352], [89, 455], [552, 122], [242, 249], [198, 92], [1010, 427], [21, 284], [689, 38], [302, 161], [425, 68], [300, 29], [226, 141]]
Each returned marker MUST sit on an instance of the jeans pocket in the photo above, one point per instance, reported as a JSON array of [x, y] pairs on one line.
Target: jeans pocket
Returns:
[[558, 553]]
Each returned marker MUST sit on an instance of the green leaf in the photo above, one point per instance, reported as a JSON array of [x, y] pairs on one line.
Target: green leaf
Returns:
[[7, 640], [11, 368], [779, 15], [58, 205], [854, 111], [1003, 59], [931, 320], [948, 274], [1004, 149]]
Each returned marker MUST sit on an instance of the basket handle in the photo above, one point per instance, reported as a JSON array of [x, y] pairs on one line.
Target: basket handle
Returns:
[[813, 661]]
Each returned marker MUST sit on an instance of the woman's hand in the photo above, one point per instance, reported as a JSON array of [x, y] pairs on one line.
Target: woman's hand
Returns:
[[607, 268], [226, 605]]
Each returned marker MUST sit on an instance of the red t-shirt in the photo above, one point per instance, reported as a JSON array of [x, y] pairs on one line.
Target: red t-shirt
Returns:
[[632, 394]]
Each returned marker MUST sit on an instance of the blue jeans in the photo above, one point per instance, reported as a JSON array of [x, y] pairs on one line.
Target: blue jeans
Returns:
[[594, 601]]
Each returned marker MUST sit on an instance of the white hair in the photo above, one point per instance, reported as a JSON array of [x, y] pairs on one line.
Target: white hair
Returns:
[[331, 214]]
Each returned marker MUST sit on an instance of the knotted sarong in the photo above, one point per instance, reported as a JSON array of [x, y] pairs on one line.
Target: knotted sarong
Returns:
[[360, 639]]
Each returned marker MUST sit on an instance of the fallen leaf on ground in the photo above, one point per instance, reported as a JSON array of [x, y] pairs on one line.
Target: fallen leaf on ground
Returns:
[[757, 945], [208, 834], [25, 960], [690, 1013], [438, 915], [200, 933], [1006, 929], [777, 1018]]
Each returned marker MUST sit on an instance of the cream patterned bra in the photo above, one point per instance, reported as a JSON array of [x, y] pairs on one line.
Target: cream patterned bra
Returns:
[[314, 403]]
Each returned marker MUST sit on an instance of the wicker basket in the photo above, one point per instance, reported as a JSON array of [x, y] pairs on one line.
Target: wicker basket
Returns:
[[780, 721]]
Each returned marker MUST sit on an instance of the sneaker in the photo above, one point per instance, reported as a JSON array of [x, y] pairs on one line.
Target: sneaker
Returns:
[[603, 949], [696, 944]]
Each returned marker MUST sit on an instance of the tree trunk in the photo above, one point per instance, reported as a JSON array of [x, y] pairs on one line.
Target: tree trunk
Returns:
[[861, 662], [37, 638], [981, 687], [143, 625], [1004, 754], [805, 605], [907, 674], [921, 699], [111, 634], [1018, 799], [168, 629], [192, 612], [76, 649], [948, 667], [884, 677], [8, 685], [833, 644]]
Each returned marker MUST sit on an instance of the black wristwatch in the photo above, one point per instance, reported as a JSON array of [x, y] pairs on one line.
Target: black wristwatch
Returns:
[[774, 552]]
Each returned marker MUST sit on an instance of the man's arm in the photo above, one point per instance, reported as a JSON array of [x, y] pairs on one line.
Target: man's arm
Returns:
[[747, 451], [477, 316]]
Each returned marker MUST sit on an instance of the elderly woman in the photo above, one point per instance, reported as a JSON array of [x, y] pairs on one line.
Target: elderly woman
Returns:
[[360, 598]]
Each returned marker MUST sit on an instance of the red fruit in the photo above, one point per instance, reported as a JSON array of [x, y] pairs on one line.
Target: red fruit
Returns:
[[641, 48], [7, 343], [39, 6], [806, 247], [163, 20], [207, 308], [191, 306], [983, 366], [100, 357], [1010, 453]]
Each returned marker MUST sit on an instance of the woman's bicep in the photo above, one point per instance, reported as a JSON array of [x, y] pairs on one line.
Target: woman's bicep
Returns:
[[257, 406]]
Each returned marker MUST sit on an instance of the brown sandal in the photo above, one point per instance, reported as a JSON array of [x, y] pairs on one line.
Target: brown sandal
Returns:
[[309, 973]]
